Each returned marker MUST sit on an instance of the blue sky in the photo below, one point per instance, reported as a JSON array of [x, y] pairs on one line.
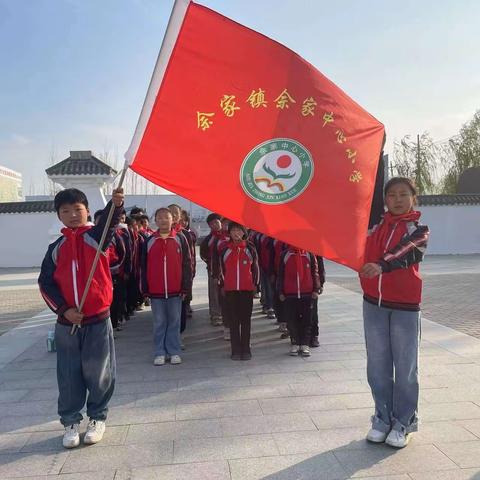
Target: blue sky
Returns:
[[74, 73]]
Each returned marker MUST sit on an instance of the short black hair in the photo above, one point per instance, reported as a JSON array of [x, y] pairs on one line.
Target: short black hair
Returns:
[[213, 216], [69, 196], [144, 216], [97, 214], [136, 211]]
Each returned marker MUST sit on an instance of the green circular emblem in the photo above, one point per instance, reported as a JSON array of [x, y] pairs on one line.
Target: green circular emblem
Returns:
[[276, 171]]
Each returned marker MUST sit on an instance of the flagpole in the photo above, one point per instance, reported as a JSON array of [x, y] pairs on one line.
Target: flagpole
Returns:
[[74, 328]]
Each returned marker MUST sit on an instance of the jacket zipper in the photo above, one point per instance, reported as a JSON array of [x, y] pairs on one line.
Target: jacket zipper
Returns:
[[238, 269], [298, 285], [75, 286], [380, 276], [165, 271]]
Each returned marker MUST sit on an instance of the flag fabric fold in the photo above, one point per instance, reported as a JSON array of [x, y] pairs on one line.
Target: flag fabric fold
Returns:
[[240, 124]]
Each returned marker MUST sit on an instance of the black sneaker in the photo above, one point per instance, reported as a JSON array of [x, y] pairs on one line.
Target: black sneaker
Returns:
[[314, 342], [236, 357], [246, 356]]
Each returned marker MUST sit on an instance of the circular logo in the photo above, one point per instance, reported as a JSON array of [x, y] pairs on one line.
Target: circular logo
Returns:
[[276, 171]]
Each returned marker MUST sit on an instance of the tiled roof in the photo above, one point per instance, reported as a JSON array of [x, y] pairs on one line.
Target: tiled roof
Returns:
[[27, 207], [81, 163], [457, 199]]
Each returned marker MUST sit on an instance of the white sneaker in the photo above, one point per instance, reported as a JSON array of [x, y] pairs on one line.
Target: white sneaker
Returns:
[[71, 438], [226, 333], [95, 431], [305, 351], [398, 439], [294, 350], [376, 436], [175, 360], [160, 360]]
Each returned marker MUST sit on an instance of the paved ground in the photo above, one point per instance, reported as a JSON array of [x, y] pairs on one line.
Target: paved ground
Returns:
[[275, 417], [451, 294]]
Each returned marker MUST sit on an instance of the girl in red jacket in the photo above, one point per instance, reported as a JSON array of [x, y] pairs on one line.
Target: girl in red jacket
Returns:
[[239, 276], [392, 290], [298, 285]]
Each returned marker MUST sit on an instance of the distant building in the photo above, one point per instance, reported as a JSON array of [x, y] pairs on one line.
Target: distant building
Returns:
[[10, 185]]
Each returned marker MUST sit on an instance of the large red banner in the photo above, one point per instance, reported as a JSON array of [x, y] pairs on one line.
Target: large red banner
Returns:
[[242, 125]]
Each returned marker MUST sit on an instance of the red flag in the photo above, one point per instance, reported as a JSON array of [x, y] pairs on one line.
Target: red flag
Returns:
[[241, 125]]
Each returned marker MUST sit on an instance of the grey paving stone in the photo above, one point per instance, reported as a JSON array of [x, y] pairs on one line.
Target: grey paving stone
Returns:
[[108, 475], [472, 426], [450, 411], [12, 442], [30, 408], [464, 454], [439, 432], [299, 404], [8, 396], [355, 417], [289, 422], [208, 449], [126, 416], [318, 441], [216, 382], [300, 366], [190, 471], [99, 458], [379, 460], [282, 378], [146, 387], [343, 374], [218, 410], [302, 467], [29, 423], [457, 474], [35, 395], [27, 464], [321, 387], [252, 392], [159, 432]]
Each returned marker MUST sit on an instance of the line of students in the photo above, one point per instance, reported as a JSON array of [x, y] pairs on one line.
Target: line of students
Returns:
[[86, 360], [290, 281]]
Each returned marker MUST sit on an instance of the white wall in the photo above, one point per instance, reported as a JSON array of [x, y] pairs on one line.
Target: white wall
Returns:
[[454, 229], [25, 237]]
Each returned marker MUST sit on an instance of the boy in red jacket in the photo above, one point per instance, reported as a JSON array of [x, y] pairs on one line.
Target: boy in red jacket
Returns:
[[166, 276], [298, 285], [239, 277], [85, 360], [392, 290]]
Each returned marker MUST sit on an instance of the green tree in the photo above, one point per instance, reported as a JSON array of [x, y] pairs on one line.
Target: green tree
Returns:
[[419, 160], [466, 153]]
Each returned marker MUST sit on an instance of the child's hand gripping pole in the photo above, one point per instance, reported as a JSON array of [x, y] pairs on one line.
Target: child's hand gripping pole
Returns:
[[74, 328]]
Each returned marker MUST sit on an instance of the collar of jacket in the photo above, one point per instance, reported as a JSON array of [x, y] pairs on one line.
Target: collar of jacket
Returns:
[[411, 216]]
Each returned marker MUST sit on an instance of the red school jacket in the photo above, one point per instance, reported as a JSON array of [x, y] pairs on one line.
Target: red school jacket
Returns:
[[238, 266], [297, 273], [398, 245], [66, 267], [166, 268]]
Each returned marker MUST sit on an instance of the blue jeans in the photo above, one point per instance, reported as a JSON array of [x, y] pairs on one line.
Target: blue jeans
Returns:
[[85, 362], [392, 338], [166, 325]]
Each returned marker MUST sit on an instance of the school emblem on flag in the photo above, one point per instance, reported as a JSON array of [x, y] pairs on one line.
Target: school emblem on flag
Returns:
[[276, 171]]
